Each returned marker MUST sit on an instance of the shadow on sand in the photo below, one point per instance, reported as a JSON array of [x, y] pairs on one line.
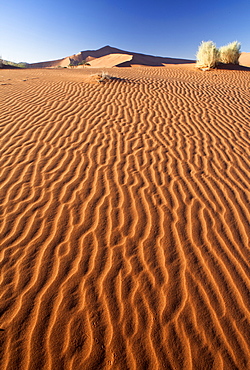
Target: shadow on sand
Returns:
[[233, 67]]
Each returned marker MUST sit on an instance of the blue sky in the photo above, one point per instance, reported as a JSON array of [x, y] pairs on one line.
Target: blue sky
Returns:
[[33, 31]]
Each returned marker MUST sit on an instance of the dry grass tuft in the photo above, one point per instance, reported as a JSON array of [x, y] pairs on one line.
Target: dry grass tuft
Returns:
[[207, 55], [230, 53], [104, 77]]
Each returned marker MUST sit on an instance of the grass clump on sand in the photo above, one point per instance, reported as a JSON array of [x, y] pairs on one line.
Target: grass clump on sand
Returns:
[[104, 76], [230, 53], [207, 55]]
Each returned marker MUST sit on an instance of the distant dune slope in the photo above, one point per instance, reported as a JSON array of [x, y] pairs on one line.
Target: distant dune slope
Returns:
[[137, 58], [245, 59], [124, 220], [64, 62], [110, 60]]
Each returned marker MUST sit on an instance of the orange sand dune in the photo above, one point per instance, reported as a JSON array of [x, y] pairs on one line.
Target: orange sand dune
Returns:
[[64, 62], [108, 51], [124, 223], [244, 59], [110, 60]]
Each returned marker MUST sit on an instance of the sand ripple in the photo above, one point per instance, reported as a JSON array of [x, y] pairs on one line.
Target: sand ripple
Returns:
[[125, 220]]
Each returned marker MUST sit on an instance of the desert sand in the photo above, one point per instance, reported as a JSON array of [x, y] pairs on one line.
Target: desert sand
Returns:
[[125, 223]]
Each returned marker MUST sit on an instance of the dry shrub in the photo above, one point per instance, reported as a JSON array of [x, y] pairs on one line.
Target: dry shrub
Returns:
[[105, 77], [207, 55], [230, 53]]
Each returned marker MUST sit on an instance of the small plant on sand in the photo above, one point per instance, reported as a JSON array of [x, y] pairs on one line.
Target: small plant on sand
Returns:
[[207, 55], [230, 53], [104, 77], [84, 63]]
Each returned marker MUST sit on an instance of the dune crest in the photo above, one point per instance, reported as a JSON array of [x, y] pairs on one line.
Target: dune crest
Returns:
[[124, 219], [105, 55]]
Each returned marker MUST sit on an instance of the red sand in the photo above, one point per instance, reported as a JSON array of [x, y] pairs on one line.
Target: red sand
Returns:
[[124, 224]]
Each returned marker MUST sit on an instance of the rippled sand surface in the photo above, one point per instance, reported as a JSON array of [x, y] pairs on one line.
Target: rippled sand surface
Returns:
[[125, 219]]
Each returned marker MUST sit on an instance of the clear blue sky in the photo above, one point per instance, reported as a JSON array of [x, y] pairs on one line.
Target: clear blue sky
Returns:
[[32, 30]]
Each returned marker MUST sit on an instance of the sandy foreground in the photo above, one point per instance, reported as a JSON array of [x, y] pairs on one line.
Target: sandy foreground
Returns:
[[124, 219]]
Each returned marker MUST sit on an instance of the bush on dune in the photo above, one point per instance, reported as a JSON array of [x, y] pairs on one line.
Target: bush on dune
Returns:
[[84, 63], [230, 53], [75, 63], [207, 55]]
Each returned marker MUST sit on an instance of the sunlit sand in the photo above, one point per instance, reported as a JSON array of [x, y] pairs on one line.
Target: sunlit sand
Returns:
[[124, 224]]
